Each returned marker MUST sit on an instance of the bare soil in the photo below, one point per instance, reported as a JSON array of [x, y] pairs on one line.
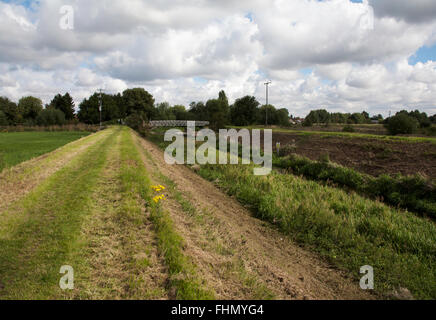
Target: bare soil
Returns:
[[371, 156], [238, 255]]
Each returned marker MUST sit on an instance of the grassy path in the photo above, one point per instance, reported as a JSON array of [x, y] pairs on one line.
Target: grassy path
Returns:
[[39, 233], [119, 257], [97, 215]]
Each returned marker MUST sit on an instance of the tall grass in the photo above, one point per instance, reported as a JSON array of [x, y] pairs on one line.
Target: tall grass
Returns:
[[415, 193], [349, 230]]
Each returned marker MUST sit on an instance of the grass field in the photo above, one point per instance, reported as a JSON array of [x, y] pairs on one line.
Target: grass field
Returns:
[[16, 147]]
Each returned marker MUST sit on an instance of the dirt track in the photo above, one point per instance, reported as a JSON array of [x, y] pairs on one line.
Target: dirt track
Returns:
[[241, 257]]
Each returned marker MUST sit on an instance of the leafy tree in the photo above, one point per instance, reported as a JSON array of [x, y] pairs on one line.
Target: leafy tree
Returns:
[[50, 116], [422, 118], [199, 111], [283, 117], [339, 117], [90, 109], [3, 119], [164, 111], [11, 110], [65, 104], [357, 118], [402, 124], [139, 100], [223, 97], [269, 111], [121, 107], [244, 111], [181, 113], [217, 111], [138, 121], [30, 107], [318, 116]]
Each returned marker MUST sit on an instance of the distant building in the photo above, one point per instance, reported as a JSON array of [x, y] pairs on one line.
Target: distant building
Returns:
[[296, 120]]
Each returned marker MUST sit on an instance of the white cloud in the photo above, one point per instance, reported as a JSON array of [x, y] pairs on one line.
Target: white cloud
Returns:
[[183, 51]]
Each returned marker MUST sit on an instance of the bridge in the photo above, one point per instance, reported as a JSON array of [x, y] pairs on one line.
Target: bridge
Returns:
[[176, 123]]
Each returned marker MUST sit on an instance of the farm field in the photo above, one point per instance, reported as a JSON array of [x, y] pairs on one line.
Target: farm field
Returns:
[[16, 147], [92, 205], [367, 154]]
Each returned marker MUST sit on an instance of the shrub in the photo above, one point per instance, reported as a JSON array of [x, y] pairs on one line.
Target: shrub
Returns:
[[402, 124], [138, 121], [50, 117], [307, 123], [348, 128]]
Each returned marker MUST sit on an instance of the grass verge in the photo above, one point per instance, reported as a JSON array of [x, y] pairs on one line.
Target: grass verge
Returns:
[[414, 193], [349, 230], [183, 277]]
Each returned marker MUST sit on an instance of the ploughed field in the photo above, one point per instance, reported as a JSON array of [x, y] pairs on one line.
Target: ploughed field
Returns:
[[133, 227], [374, 156]]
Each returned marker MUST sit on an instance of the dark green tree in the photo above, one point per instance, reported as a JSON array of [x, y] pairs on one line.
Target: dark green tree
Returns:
[[30, 107], [89, 110], [181, 113], [283, 117], [139, 100], [267, 111], [164, 111], [244, 111], [318, 116], [50, 116], [199, 111], [11, 111], [3, 119], [64, 103], [217, 110], [402, 124]]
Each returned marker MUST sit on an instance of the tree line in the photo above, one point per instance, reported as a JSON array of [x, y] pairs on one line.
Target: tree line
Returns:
[[137, 106], [324, 117], [29, 111], [403, 122]]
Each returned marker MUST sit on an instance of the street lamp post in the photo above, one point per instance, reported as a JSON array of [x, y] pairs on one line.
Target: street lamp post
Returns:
[[266, 106], [100, 105]]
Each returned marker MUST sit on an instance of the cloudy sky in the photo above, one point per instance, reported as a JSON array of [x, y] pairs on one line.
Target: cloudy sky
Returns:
[[342, 55]]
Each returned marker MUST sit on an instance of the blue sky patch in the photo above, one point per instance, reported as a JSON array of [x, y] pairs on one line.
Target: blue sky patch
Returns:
[[423, 55]]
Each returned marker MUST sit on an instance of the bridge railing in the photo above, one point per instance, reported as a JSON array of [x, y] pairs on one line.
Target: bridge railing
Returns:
[[176, 123]]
